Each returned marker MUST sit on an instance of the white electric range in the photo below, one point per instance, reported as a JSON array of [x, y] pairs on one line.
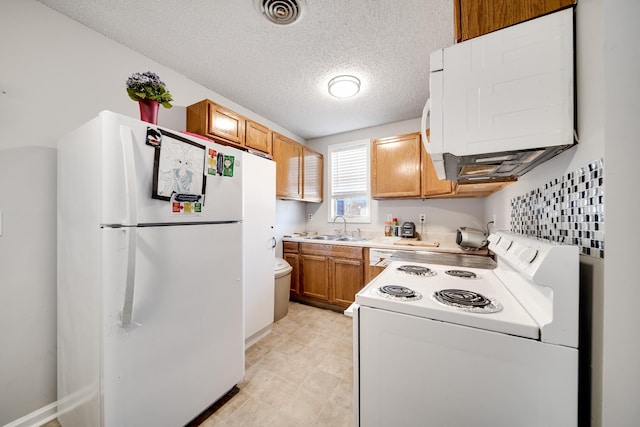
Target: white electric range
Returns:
[[453, 345]]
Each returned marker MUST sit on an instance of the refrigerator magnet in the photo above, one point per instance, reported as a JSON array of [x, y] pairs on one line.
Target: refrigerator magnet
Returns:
[[220, 163], [228, 166], [212, 161], [154, 137], [184, 204]]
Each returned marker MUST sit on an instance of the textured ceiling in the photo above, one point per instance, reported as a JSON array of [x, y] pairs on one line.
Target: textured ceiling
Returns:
[[281, 72]]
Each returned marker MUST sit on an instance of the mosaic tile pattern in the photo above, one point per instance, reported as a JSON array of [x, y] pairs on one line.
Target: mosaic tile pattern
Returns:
[[569, 209]]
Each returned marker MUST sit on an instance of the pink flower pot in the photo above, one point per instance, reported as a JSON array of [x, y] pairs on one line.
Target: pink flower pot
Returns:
[[149, 111]]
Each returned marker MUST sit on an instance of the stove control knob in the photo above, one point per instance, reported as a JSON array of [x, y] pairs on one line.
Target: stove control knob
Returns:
[[505, 244], [528, 255]]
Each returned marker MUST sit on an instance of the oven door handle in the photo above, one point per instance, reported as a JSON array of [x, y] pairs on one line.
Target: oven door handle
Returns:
[[350, 311], [379, 257]]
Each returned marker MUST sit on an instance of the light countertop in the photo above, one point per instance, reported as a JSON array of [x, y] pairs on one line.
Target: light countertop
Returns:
[[433, 242]]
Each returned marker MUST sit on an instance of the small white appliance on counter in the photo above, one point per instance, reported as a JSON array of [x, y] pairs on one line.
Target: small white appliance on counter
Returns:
[[471, 238], [149, 274], [444, 342], [502, 103]]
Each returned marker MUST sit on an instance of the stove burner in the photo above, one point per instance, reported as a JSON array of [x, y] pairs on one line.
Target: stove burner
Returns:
[[467, 300], [416, 270], [461, 273], [399, 292]]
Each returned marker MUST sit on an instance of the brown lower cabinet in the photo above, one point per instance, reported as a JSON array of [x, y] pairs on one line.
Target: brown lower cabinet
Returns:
[[294, 261], [325, 275]]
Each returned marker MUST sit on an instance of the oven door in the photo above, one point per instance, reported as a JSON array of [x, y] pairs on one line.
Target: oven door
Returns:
[[412, 371]]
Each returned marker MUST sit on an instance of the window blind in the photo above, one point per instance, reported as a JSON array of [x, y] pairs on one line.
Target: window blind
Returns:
[[349, 171]]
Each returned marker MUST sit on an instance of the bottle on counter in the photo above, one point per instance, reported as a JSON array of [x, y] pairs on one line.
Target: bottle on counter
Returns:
[[394, 227], [387, 229]]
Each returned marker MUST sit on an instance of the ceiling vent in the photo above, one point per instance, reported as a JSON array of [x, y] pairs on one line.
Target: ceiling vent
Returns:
[[281, 12]]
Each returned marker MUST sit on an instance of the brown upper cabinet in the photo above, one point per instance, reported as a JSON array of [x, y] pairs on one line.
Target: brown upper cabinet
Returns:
[[299, 170], [258, 137], [312, 170], [395, 167], [473, 18], [431, 184], [287, 154], [401, 168], [228, 127]]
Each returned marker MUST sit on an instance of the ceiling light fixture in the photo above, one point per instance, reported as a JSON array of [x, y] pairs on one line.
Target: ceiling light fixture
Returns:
[[344, 86]]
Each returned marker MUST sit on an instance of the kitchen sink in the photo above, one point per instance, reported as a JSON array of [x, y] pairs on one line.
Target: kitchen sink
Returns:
[[338, 238], [326, 237], [351, 239]]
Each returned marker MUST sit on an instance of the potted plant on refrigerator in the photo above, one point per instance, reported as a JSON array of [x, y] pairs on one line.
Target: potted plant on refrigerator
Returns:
[[149, 91]]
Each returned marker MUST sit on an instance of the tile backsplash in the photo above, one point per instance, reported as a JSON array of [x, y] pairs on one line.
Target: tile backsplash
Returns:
[[569, 209]]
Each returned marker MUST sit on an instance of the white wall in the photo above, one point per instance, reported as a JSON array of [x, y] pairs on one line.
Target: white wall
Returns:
[[608, 85], [621, 323], [27, 280], [289, 219], [442, 215], [56, 74]]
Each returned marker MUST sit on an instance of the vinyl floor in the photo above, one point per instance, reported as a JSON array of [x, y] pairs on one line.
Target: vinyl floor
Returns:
[[301, 374]]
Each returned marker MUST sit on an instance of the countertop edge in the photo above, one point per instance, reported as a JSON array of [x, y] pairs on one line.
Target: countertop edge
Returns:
[[389, 243]]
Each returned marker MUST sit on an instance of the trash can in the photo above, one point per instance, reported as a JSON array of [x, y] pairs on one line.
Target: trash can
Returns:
[[282, 286]]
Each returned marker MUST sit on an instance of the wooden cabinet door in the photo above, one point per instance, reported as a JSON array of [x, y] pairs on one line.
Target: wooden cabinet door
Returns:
[[348, 279], [294, 262], [288, 157], [258, 137], [396, 166], [226, 124], [314, 277], [431, 184], [474, 18], [312, 171]]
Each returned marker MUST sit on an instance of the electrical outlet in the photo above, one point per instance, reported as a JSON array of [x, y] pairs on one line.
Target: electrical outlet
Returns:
[[423, 217], [310, 217]]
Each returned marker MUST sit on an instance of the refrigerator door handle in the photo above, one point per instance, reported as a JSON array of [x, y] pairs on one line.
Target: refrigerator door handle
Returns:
[[131, 248], [130, 178]]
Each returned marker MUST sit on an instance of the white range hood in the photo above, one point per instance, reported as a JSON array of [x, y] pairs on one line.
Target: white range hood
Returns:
[[503, 102]]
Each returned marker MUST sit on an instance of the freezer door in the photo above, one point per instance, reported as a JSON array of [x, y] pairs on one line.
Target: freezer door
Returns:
[[129, 167], [184, 347]]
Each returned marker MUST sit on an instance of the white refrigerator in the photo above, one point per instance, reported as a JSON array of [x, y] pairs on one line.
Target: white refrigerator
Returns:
[[259, 218], [150, 300]]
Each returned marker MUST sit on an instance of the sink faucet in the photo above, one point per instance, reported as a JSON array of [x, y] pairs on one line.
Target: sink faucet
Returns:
[[345, 222]]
